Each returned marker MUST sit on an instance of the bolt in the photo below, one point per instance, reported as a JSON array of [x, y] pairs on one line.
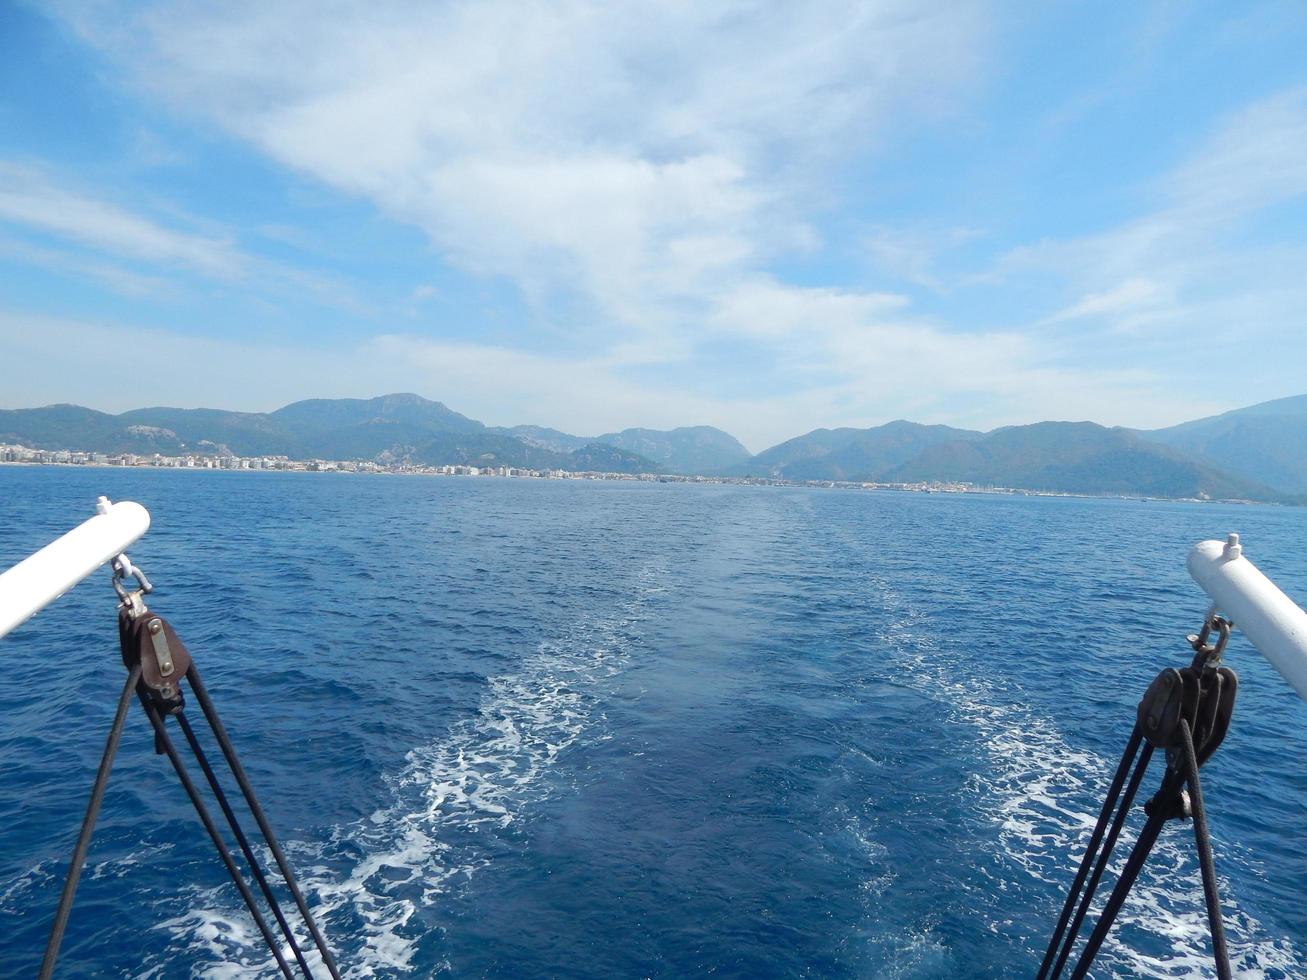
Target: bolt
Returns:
[[155, 626]]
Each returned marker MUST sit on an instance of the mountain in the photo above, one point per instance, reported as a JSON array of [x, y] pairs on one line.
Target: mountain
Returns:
[[1256, 453], [695, 449], [256, 434], [74, 427], [1075, 457], [698, 449], [600, 457], [317, 415], [544, 438], [1266, 442], [391, 428], [851, 454]]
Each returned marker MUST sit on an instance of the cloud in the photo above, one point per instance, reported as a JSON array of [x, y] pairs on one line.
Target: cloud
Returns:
[[115, 277], [1131, 296], [1250, 163], [646, 174], [34, 200], [30, 197], [627, 159], [1190, 284], [766, 308], [912, 255], [1253, 161], [893, 369]]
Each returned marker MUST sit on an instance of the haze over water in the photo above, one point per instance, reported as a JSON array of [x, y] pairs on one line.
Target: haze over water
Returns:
[[513, 728]]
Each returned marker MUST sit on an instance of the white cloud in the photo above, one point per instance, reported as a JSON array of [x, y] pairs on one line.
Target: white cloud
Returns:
[[642, 172], [1253, 161], [33, 200], [1189, 286], [29, 197], [115, 277], [912, 255], [1131, 296], [1250, 163], [637, 157], [888, 370], [769, 309]]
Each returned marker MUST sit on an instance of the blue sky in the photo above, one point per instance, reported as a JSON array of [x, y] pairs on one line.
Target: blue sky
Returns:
[[767, 217]]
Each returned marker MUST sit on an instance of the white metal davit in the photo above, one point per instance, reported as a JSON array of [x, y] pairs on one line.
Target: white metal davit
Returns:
[[1273, 622], [37, 581]]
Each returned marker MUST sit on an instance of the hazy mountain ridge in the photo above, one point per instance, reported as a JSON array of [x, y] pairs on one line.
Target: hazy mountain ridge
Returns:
[[544, 437], [75, 427], [1257, 453], [851, 454], [391, 428], [1265, 442], [698, 449], [1076, 457]]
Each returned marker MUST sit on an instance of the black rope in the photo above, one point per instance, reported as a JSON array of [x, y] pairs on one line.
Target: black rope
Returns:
[[1164, 806], [143, 654], [242, 840], [88, 826], [252, 801], [1138, 855], [1203, 839], [1122, 813], [1109, 803], [161, 734], [1113, 836]]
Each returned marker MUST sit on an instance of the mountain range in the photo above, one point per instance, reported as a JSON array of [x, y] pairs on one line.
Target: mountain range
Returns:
[[400, 427], [1255, 453]]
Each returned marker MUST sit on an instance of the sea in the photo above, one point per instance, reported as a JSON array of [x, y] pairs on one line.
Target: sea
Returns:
[[562, 728]]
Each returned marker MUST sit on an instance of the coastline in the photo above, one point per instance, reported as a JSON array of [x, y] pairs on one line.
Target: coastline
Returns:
[[352, 468]]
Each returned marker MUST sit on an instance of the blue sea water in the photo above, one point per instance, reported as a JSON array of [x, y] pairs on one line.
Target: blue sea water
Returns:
[[513, 728]]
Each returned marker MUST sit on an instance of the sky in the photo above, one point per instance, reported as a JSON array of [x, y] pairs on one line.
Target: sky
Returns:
[[768, 217]]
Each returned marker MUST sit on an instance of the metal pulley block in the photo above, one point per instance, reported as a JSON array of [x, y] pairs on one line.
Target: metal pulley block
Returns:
[[151, 641], [1204, 697], [1161, 708]]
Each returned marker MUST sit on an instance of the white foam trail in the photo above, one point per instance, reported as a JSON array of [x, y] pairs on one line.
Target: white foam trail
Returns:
[[368, 881], [1033, 785]]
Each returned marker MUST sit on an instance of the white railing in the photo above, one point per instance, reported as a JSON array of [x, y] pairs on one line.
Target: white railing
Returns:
[[39, 580], [1272, 621]]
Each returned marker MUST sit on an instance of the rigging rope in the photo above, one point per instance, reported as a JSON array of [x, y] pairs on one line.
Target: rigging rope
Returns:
[[201, 811], [88, 826], [156, 661], [1109, 845], [1186, 713], [1095, 840], [241, 840], [252, 801]]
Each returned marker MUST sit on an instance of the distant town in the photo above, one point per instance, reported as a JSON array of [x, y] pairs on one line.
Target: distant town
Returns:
[[26, 456]]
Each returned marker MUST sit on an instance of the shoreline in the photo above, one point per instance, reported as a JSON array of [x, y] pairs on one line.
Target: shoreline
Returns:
[[516, 473]]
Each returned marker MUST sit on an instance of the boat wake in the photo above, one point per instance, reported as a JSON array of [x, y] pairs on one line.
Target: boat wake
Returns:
[[1032, 787], [451, 811]]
